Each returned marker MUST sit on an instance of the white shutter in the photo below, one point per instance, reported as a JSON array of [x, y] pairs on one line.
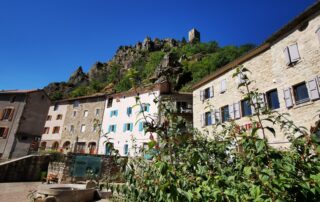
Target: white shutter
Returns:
[[203, 120], [211, 91], [237, 110], [223, 86], [231, 112], [294, 52], [287, 97], [213, 117], [262, 100], [217, 115], [313, 89], [254, 105], [287, 55], [201, 95]]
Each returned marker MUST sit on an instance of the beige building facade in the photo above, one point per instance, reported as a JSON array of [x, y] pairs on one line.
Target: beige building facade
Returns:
[[285, 69], [81, 127]]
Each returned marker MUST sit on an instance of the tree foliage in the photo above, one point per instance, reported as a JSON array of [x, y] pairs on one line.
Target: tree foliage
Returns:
[[234, 165]]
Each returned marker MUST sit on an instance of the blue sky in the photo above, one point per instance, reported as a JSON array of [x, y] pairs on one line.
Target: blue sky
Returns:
[[43, 41]]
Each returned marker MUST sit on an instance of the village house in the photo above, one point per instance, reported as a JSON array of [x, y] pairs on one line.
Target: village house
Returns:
[[286, 70], [81, 126], [51, 136], [126, 113], [22, 118]]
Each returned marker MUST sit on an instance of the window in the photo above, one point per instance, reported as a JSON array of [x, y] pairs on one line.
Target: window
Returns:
[[56, 106], [74, 113], [109, 104], [3, 132], [46, 130], [206, 93], [292, 54], [272, 99], [13, 99], [208, 120], [246, 108], [109, 147], [112, 128], [127, 127], [56, 129], [85, 113], [145, 108], [7, 114], [80, 147], [83, 128], [59, 117], [141, 126], [300, 93], [49, 118], [223, 86], [225, 113], [183, 107], [97, 112], [113, 113], [71, 129], [126, 149], [76, 104], [129, 111]]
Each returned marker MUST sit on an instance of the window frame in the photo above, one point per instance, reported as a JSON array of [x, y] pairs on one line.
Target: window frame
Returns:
[[269, 101], [243, 109], [208, 118], [225, 115], [294, 90]]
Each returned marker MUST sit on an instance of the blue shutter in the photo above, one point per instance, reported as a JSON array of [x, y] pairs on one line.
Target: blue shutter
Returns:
[[141, 126], [110, 113], [148, 107], [126, 149], [116, 112], [128, 111], [124, 127], [131, 126]]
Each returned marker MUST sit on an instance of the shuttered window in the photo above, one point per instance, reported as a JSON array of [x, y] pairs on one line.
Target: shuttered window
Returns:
[[287, 97], [300, 93], [272, 99], [292, 54], [223, 86], [208, 118], [7, 114], [4, 132], [225, 113], [313, 89]]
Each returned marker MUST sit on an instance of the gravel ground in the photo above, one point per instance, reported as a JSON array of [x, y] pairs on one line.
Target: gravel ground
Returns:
[[17, 191]]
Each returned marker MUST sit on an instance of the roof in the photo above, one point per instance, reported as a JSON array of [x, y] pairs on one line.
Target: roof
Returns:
[[19, 91], [82, 97], [263, 47]]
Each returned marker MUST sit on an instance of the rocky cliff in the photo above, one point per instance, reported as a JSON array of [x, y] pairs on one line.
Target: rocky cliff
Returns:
[[156, 61]]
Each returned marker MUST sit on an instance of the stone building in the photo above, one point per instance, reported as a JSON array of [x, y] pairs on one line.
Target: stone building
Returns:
[[82, 123], [194, 36], [22, 118], [51, 136], [125, 116], [286, 70]]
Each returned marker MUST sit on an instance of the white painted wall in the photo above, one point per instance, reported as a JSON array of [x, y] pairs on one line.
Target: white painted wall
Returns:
[[62, 109], [134, 137]]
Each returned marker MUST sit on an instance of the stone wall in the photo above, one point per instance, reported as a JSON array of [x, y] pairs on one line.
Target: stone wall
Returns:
[[24, 169]]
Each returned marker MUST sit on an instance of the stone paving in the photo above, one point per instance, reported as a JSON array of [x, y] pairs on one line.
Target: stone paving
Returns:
[[17, 191]]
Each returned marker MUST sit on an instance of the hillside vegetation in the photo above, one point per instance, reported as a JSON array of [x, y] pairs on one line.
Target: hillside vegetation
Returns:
[[153, 61]]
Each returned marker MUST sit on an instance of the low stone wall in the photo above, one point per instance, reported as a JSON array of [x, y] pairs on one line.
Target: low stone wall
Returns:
[[24, 169], [110, 170]]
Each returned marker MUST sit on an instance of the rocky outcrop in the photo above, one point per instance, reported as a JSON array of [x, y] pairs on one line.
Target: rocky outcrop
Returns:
[[78, 78], [98, 72]]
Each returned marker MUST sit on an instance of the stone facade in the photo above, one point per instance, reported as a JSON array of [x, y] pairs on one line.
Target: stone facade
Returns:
[[22, 117], [51, 136], [81, 127], [270, 71], [194, 36]]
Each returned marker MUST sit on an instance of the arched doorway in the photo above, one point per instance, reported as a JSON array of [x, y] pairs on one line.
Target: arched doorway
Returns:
[[55, 146], [43, 146], [109, 147], [66, 146], [92, 147]]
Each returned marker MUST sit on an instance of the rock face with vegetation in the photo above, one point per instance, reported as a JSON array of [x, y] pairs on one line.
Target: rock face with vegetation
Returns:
[[155, 61]]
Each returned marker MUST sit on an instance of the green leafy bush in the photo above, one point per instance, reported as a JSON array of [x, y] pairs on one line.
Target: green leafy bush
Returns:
[[234, 165]]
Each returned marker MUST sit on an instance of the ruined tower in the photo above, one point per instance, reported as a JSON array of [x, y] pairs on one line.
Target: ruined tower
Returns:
[[194, 36]]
